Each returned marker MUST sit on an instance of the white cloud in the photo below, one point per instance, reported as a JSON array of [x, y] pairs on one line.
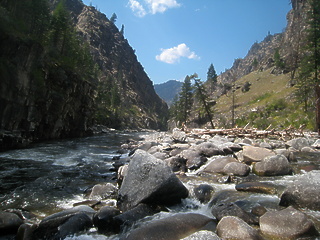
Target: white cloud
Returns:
[[154, 6], [173, 55], [161, 5], [137, 8]]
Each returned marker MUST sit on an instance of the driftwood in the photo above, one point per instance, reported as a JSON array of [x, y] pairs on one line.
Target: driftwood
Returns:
[[286, 134]]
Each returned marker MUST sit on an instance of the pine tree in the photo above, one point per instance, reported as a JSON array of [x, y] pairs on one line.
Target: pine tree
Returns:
[[201, 94], [212, 77], [310, 65], [185, 100], [113, 18]]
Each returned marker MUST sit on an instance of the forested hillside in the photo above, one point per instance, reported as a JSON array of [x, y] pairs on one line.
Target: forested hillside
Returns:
[[61, 74]]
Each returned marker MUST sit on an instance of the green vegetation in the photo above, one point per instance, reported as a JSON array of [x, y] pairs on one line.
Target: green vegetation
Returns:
[[270, 102], [182, 104], [308, 89], [277, 60], [212, 78]]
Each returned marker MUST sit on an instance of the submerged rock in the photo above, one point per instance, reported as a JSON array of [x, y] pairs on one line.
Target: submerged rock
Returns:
[[287, 224], [171, 228], [203, 192], [149, 180], [257, 187]]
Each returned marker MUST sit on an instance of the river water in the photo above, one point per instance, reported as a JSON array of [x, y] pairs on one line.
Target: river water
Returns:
[[49, 177], [53, 175]]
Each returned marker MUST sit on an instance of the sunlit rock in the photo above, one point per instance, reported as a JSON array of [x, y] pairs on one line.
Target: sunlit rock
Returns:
[[149, 180]]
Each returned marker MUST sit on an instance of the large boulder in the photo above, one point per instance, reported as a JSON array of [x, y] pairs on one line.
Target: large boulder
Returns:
[[171, 228], [287, 224], [255, 154], [272, 166], [235, 228], [303, 192], [149, 180]]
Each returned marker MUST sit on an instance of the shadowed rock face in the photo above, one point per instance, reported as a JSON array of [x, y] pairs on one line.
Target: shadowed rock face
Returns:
[[119, 65], [40, 99]]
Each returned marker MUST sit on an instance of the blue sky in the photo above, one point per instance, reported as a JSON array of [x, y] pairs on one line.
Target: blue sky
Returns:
[[175, 38]]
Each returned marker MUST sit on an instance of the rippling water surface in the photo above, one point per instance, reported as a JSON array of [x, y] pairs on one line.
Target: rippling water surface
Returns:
[[53, 175]]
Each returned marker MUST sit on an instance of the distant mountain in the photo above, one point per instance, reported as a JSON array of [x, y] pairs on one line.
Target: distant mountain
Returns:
[[168, 90]]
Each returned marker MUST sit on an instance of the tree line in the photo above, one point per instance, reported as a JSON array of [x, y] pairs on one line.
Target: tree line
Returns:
[[194, 92]]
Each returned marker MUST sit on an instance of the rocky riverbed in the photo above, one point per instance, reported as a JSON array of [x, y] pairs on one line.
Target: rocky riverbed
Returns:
[[192, 186]]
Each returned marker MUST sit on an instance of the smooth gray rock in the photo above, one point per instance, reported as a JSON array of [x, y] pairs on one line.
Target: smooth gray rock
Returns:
[[149, 180], [255, 154], [171, 228], [298, 143], [236, 169], [235, 228], [287, 224], [217, 165], [272, 166]]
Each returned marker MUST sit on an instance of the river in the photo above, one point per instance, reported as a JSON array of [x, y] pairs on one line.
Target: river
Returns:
[[51, 176]]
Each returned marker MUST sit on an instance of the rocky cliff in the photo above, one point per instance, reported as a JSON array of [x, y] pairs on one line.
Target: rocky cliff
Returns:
[[261, 56], [46, 93], [139, 106]]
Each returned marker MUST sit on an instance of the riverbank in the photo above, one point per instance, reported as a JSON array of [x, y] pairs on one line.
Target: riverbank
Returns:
[[209, 185]]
